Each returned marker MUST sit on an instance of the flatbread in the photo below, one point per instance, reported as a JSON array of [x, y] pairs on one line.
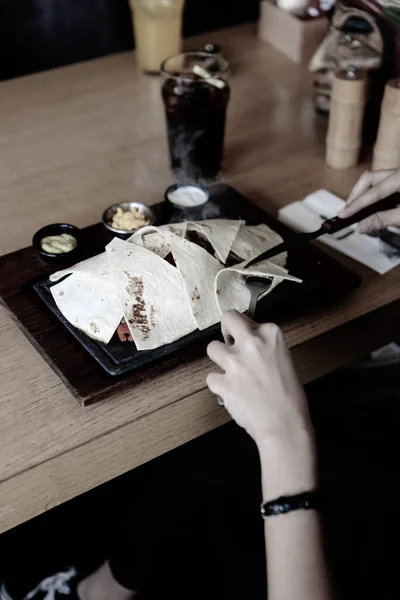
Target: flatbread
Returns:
[[97, 265], [198, 269], [87, 298], [161, 302], [220, 233], [154, 238], [152, 295], [252, 240], [230, 284]]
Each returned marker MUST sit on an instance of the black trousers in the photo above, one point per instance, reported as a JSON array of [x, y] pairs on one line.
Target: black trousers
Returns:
[[194, 528]]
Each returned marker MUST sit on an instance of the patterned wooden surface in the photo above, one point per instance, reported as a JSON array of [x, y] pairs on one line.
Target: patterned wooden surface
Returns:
[[77, 140]]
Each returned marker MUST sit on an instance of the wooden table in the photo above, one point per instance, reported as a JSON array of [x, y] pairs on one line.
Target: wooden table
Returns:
[[78, 139]]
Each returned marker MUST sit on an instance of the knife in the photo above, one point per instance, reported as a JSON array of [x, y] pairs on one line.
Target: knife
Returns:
[[328, 227]]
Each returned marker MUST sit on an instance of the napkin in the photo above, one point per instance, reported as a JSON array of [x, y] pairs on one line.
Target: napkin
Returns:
[[308, 216]]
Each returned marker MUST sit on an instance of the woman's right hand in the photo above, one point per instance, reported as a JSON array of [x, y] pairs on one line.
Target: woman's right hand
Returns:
[[262, 392], [258, 385], [370, 188]]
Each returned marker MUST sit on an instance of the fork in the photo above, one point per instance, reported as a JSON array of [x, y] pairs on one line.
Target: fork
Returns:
[[256, 287]]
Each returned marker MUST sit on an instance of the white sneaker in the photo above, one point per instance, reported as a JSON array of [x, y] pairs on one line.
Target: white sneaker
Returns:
[[56, 587]]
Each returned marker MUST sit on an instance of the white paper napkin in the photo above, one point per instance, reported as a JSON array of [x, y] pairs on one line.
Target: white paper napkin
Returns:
[[312, 211]]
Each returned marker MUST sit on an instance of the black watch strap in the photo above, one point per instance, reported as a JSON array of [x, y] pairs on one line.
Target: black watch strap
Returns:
[[284, 504]]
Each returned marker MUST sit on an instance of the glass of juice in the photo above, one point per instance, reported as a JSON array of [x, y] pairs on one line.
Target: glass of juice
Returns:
[[158, 31], [196, 94]]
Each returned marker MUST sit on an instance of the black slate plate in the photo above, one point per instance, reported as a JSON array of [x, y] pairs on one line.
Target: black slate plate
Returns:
[[286, 301]]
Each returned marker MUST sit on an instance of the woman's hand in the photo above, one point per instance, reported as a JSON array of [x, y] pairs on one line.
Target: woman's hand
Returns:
[[371, 187], [261, 391], [259, 386]]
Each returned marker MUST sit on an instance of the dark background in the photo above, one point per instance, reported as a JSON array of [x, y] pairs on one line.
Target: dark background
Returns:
[[41, 34], [361, 448]]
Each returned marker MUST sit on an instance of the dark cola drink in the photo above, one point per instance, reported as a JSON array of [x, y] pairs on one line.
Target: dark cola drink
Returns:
[[196, 113]]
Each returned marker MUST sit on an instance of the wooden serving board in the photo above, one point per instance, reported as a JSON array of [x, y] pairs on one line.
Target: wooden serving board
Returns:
[[83, 376]]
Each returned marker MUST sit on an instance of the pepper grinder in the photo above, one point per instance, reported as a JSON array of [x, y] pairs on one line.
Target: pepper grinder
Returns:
[[387, 146], [343, 141]]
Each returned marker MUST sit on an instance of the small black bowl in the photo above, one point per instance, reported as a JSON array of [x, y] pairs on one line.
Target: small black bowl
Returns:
[[57, 229]]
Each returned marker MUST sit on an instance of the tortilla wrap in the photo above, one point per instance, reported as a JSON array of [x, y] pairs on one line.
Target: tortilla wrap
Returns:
[[253, 240], [151, 293], [230, 284], [154, 238], [162, 302], [87, 298], [198, 269], [220, 233]]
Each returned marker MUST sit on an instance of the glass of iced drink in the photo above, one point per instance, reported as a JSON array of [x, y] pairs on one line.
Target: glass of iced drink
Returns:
[[158, 31], [196, 94]]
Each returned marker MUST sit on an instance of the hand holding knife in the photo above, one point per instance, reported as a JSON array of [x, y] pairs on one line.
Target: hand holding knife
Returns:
[[329, 226]]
